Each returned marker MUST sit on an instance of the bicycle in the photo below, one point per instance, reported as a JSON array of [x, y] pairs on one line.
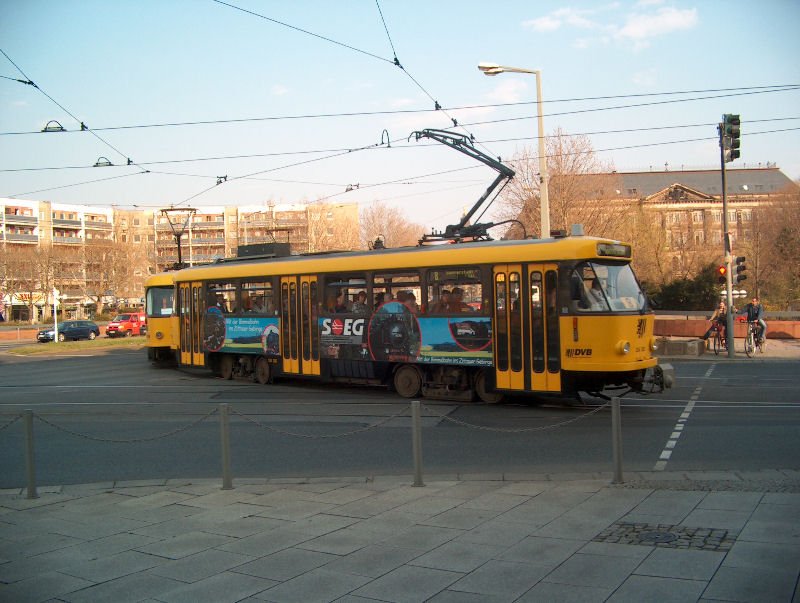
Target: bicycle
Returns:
[[752, 340], [718, 341]]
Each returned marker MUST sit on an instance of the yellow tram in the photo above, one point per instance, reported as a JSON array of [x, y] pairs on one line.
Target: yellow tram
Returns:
[[454, 321]]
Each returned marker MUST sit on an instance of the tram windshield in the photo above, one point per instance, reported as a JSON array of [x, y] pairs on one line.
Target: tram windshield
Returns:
[[159, 301], [599, 286]]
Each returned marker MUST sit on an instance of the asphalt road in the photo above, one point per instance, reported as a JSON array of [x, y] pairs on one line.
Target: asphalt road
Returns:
[[111, 416]]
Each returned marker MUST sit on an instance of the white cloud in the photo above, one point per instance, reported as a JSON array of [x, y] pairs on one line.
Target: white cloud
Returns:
[[572, 17], [646, 21], [642, 27], [546, 23], [510, 90], [279, 90]]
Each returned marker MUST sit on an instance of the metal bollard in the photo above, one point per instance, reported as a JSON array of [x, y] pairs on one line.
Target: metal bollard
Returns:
[[225, 440], [416, 442], [30, 461], [616, 438]]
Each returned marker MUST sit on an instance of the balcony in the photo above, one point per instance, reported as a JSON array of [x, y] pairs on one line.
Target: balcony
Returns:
[[21, 238], [58, 223], [98, 225], [17, 219], [67, 240], [208, 241]]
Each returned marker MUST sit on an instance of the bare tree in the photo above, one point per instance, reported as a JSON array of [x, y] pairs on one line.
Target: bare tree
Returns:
[[582, 189], [389, 223], [22, 277], [773, 253]]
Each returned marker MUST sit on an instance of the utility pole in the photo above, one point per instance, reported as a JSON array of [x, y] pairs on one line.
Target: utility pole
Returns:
[[729, 131]]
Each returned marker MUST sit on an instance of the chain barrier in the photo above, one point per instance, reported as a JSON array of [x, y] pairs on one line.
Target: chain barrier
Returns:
[[319, 437], [11, 422], [131, 441], [521, 429]]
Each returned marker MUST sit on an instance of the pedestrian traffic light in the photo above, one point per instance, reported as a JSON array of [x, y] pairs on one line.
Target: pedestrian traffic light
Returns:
[[722, 271], [740, 268], [730, 131]]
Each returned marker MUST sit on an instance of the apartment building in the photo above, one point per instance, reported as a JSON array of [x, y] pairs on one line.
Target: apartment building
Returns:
[[101, 256]]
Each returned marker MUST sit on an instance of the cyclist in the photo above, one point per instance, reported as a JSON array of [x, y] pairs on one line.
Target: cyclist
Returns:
[[755, 313], [718, 321]]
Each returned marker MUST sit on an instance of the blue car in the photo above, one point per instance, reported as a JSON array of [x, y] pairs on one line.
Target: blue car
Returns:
[[70, 329]]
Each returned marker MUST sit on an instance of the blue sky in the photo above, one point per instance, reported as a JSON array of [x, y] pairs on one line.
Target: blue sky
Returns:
[[114, 64]]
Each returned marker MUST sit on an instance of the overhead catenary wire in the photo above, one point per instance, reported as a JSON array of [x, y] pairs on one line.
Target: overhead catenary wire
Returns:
[[735, 91], [68, 112], [417, 145]]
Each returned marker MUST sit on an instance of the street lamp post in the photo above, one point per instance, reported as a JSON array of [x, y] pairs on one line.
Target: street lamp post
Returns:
[[544, 198]]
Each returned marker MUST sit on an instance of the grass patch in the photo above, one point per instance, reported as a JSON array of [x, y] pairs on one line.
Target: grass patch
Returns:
[[69, 347]]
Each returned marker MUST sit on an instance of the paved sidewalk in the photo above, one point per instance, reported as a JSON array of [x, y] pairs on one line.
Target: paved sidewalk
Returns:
[[658, 537]]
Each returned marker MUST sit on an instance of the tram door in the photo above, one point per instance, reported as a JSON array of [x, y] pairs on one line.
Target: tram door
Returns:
[[299, 328], [192, 309], [527, 348]]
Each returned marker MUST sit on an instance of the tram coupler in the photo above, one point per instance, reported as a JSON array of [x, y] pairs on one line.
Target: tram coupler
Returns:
[[659, 378]]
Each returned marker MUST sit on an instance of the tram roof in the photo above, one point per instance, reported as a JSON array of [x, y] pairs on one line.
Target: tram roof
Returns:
[[473, 253]]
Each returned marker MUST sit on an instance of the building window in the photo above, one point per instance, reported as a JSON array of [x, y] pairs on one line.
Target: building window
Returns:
[[137, 238], [732, 216], [717, 216], [747, 215], [717, 237], [697, 217], [699, 238], [136, 221]]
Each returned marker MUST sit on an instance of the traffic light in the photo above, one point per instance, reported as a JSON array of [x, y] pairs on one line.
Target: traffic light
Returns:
[[730, 131], [722, 271], [739, 270]]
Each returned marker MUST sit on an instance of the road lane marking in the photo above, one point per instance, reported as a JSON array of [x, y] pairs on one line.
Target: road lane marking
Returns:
[[677, 430]]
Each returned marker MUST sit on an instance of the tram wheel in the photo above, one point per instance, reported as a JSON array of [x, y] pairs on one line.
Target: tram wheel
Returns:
[[483, 394], [261, 374], [226, 367], [407, 381]]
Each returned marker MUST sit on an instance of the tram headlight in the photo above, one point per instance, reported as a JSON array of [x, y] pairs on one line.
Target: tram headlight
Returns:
[[623, 347], [159, 335], [653, 344]]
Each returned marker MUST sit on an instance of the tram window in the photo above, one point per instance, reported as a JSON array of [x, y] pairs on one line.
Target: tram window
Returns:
[[342, 293], [605, 286], [223, 296], [404, 287], [257, 298], [455, 290], [159, 301]]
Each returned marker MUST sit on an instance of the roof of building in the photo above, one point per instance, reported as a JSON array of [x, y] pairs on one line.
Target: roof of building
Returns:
[[751, 181]]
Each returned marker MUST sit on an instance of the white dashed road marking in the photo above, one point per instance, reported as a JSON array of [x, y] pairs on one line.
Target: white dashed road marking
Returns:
[[665, 455]]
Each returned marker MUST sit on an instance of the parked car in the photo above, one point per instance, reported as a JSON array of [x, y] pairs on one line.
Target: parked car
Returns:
[[125, 325], [70, 329]]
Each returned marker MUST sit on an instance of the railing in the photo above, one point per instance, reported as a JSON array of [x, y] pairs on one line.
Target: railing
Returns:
[[224, 411], [17, 219]]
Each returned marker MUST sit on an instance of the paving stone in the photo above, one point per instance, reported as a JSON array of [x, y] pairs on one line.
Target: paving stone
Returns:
[[458, 556], [685, 564], [647, 588], [502, 578], [408, 584], [227, 587], [316, 586], [286, 564], [200, 565], [373, 561]]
